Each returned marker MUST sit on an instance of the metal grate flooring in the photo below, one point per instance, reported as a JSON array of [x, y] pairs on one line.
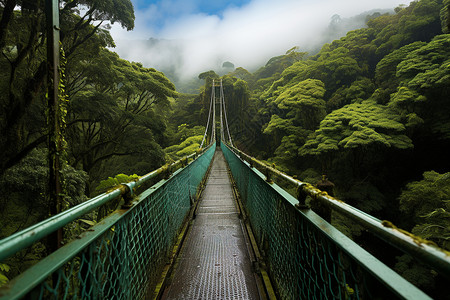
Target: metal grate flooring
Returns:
[[214, 262]]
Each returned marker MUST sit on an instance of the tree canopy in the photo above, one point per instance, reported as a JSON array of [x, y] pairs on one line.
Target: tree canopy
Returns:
[[370, 110]]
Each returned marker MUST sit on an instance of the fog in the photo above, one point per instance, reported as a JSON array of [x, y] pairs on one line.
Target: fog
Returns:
[[174, 37]]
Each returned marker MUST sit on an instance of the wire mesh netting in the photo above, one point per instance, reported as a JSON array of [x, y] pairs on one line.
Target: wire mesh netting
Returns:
[[122, 256], [306, 257]]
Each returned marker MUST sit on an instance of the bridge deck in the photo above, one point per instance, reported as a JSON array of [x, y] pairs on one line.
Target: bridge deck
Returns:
[[214, 262]]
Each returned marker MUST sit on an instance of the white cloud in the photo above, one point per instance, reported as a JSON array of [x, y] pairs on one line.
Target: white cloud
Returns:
[[247, 36]]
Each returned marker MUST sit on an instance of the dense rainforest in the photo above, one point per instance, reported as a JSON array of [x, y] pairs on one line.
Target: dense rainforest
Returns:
[[370, 110], [112, 114]]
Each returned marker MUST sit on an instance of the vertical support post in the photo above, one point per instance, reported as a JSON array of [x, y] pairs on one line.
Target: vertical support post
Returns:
[[54, 140]]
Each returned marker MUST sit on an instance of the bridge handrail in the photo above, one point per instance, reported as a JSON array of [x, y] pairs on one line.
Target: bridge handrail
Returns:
[[22, 239], [424, 250]]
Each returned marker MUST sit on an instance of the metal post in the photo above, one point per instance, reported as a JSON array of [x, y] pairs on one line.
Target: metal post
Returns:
[[52, 20]]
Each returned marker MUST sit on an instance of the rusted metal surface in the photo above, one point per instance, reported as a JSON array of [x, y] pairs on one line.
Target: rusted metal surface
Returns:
[[214, 262]]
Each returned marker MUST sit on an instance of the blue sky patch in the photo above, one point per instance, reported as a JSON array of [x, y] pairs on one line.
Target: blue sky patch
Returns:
[[210, 7]]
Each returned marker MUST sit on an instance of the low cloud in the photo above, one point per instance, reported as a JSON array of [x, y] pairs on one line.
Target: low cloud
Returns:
[[185, 42]]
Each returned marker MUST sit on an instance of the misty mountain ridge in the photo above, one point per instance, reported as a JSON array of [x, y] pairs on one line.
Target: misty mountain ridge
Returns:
[[169, 56]]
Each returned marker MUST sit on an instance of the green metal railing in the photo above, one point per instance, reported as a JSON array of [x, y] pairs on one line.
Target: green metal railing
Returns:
[[306, 257], [122, 256], [417, 247]]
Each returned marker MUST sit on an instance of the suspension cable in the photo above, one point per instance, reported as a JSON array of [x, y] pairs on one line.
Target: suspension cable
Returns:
[[207, 123], [225, 113], [213, 126], [222, 135]]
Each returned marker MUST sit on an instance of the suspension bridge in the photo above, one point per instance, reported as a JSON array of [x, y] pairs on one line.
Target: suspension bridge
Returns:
[[216, 226]]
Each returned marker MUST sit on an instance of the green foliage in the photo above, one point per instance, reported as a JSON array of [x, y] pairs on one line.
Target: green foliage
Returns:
[[23, 190], [445, 16], [30, 175], [357, 108], [436, 226], [360, 110], [239, 108], [186, 109], [358, 91], [186, 147], [62, 109], [208, 76], [103, 187], [130, 103], [87, 222], [358, 125], [185, 141], [228, 64], [286, 138], [405, 101], [73, 185], [189, 149], [4, 268], [184, 132], [311, 176], [280, 125], [333, 66], [306, 95], [425, 71], [286, 153], [336, 67], [113, 182], [23, 65], [427, 66], [427, 205], [417, 22], [24, 203], [386, 69], [22, 95], [345, 225], [278, 64], [301, 108], [112, 10], [364, 196], [241, 73], [415, 273]]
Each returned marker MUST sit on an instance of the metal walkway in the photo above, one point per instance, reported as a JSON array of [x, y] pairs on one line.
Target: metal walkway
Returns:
[[214, 262]]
